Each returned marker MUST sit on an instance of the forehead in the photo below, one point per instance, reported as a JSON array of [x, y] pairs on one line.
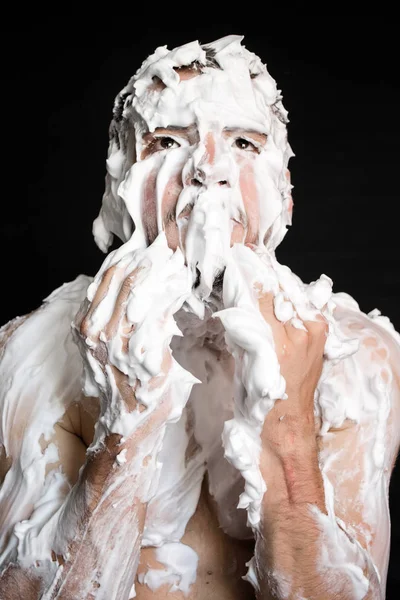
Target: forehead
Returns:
[[213, 98]]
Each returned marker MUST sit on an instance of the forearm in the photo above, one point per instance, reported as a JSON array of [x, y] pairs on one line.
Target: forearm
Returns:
[[104, 552], [301, 551], [95, 540]]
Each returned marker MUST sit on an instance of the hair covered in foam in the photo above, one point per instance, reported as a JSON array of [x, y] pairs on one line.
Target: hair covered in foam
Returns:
[[240, 83]]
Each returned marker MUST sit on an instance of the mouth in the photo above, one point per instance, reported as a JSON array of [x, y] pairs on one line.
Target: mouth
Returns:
[[217, 283], [239, 217]]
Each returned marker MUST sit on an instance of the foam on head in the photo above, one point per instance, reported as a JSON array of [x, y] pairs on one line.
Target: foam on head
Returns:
[[235, 86]]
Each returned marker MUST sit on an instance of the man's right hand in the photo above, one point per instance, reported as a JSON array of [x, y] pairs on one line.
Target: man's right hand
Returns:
[[124, 329]]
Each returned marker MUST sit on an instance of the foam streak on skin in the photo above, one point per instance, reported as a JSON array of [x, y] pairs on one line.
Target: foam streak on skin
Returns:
[[180, 563], [170, 169], [339, 553]]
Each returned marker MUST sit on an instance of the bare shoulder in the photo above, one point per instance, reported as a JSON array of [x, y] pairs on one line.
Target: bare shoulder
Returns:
[[352, 318], [361, 393], [40, 368], [7, 330], [379, 343], [40, 365], [64, 299]]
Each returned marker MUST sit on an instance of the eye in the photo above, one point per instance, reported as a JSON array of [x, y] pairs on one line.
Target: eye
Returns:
[[159, 143], [165, 143], [244, 144]]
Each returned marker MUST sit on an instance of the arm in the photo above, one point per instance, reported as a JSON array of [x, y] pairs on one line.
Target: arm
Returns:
[[90, 547], [90, 523], [314, 542], [300, 542], [310, 543]]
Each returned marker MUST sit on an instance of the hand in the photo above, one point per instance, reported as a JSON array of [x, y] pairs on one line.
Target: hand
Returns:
[[300, 336], [300, 353], [124, 329]]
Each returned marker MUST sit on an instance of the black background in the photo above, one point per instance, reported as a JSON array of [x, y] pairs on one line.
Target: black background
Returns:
[[339, 77]]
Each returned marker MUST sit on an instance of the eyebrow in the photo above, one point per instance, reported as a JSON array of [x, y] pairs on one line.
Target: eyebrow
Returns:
[[257, 135], [171, 128]]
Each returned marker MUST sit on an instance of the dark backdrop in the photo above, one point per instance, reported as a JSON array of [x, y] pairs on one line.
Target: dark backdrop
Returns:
[[340, 84]]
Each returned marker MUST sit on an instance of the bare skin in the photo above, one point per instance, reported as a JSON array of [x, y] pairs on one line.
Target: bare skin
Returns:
[[289, 460]]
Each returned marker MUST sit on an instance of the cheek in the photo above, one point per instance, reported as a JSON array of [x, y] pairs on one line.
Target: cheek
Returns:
[[169, 200], [149, 205], [171, 193], [250, 197], [170, 196], [172, 235]]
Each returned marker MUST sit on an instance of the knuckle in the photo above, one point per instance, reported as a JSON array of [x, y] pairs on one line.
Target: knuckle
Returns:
[[318, 328], [301, 336], [322, 327]]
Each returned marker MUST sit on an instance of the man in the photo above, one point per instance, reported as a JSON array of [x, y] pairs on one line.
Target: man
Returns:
[[192, 332]]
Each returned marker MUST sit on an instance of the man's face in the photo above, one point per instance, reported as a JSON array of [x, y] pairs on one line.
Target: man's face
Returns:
[[207, 164], [210, 167], [223, 154]]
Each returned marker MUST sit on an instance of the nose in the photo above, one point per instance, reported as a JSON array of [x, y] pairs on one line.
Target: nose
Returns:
[[201, 179], [211, 162]]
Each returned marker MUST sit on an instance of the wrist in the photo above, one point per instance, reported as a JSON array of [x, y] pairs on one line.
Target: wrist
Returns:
[[289, 455], [292, 476], [290, 427]]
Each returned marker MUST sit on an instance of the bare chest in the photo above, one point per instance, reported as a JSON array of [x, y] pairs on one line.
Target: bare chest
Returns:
[[221, 560]]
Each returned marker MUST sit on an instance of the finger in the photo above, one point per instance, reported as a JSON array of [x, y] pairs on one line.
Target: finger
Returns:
[[127, 329], [120, 304], [102, 289], [306, 332], [99, 296], [266, 303], [126, 390], [166, 365]]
